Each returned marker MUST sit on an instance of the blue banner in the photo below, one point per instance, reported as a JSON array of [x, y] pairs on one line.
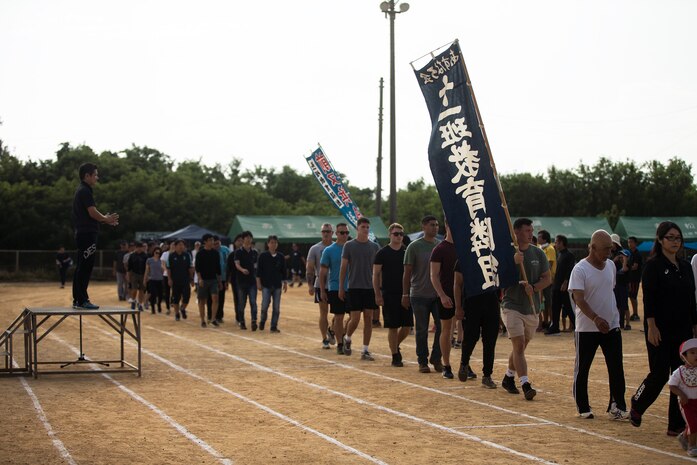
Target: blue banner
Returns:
[[464, 176], [332, 185]]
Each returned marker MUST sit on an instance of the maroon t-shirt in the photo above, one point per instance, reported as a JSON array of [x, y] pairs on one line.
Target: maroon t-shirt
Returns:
[[446, 254]]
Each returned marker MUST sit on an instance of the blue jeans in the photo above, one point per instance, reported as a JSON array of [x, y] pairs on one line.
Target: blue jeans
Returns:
[[423, 308], [244, 292], [266, 294]]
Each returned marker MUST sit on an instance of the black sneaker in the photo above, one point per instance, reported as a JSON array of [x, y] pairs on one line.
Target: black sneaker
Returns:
[[339, 349], [261, 326], [347, 346], [462, 373], [508, 384], [87, 305], [331, 337], [396, 360], [634, 318], [133, 305], [254, 325], [627, 327], [634, 417], [437, 365], [184, 313], [274, 330], [447, 372], [203, 324], [423, 368], [471, 374], [529, 391], [488, 383], [552, 331], [176, 317], [215, 323], [243, 325]]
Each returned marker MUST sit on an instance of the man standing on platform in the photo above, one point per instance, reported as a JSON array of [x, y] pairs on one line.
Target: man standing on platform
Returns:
[[86, 219]]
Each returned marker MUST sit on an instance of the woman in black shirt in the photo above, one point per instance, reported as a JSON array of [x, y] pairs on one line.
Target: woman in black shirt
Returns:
[[670, 318]]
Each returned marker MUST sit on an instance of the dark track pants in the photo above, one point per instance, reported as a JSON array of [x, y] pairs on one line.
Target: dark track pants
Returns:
[[86, 253], [481, 317], [587, 344]]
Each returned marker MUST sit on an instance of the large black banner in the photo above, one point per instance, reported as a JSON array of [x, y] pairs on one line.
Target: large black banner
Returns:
[[463, 173]]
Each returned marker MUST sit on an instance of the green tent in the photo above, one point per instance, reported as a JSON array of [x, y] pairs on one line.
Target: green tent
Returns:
[[578, 229], [300, 229], [644, 227]]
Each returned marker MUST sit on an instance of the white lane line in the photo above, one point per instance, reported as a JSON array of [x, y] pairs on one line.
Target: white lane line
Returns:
[[57, 443], [457, 396], [359, 400], [256, 404], [512, 425], [171, 421]]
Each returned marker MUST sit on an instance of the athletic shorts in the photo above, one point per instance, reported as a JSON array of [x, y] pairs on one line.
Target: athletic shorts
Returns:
[[633, 289], [394, 314], [318, 295], [136, 282], [207, 288], [621, 298], [181, 291], [361, 299], [518, 324], [445, 313], [336, 305], [295, 271]]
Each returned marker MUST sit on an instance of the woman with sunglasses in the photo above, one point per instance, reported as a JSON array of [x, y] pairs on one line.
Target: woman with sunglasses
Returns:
[[670, 317]]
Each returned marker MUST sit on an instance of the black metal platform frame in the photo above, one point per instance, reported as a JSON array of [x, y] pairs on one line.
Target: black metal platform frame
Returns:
[[116, 318]]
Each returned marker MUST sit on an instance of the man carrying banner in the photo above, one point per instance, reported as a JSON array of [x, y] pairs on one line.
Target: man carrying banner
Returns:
[[520, 318], [419, 292], [357, 261], [313, 268], [330, 267], [387, 284]]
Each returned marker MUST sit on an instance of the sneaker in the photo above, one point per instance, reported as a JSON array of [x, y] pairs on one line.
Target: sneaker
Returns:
[[75, 305], [508, 384], [87, 305], [184, 313], [529, 391], [254, 325], [616, 414], [437, 365], [488, 383], [376, 324], [462, 373], [367, 356], [627, 327], [682, 440], [586, 415], [140, 308], [423, 368], [340, 349], [152, 311], [215, 323], [176, 317], [635, 418], [330, 336], [347, 346], [220, 320], [261, 326], [471, 374], [634, 318], [243, 326], [397, 360], [203, 324], [274, 330], [457, 345], [674, 432], [692, 452], [447, 372], [552, 332], [325, 344], [133, 305]]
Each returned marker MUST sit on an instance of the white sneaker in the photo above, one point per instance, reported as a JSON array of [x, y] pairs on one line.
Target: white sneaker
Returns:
[[617, 414], [692, 452], [682, 440], [587, 415]]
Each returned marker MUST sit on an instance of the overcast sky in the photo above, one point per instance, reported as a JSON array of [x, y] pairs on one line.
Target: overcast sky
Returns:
[[557, 82]]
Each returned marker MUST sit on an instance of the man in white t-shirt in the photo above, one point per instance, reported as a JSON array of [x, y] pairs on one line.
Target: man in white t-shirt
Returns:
[[597, 324]]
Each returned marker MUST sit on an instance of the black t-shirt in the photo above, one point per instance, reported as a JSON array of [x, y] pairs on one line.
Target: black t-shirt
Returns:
[[296, 260], [208, 264], [248, 261], [231, 269], [64, 259], [271, 270], [178, 266], [118, 259], [84, 198], [136, 262], [565, 264], [392, 262], [635, 259]]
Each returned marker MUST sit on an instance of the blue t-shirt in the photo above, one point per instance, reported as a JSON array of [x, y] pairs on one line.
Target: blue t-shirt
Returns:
[[331, 257]]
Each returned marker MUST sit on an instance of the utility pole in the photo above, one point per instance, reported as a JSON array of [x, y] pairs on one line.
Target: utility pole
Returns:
[[378, 190]]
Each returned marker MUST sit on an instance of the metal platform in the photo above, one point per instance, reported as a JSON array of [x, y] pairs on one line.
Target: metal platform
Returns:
[[40, 322]]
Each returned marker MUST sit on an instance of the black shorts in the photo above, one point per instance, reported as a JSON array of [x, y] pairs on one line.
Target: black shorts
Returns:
[[336, 305], [318, 295], [445, 313], [361, 299], [394, 314], [181, 291], [621, 296], [633, 289]]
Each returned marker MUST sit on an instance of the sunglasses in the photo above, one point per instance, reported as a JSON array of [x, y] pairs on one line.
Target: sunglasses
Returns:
[[397, 233], [343, 233], [327, 231]]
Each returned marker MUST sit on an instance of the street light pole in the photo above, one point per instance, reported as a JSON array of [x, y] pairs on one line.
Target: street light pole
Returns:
[[388, 8]]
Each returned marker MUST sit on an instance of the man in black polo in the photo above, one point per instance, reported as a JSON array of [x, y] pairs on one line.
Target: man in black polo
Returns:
[[86, 219]]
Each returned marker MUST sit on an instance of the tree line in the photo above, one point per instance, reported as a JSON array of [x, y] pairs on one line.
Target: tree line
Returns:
[[153, 193]]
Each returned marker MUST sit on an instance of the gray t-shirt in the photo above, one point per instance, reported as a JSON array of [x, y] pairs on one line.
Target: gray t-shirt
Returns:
[[361, 256], [514, 298], [155, 269], [418, 255], [313, 256]]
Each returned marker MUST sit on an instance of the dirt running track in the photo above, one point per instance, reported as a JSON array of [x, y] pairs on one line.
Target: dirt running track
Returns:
[[229, 396]]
